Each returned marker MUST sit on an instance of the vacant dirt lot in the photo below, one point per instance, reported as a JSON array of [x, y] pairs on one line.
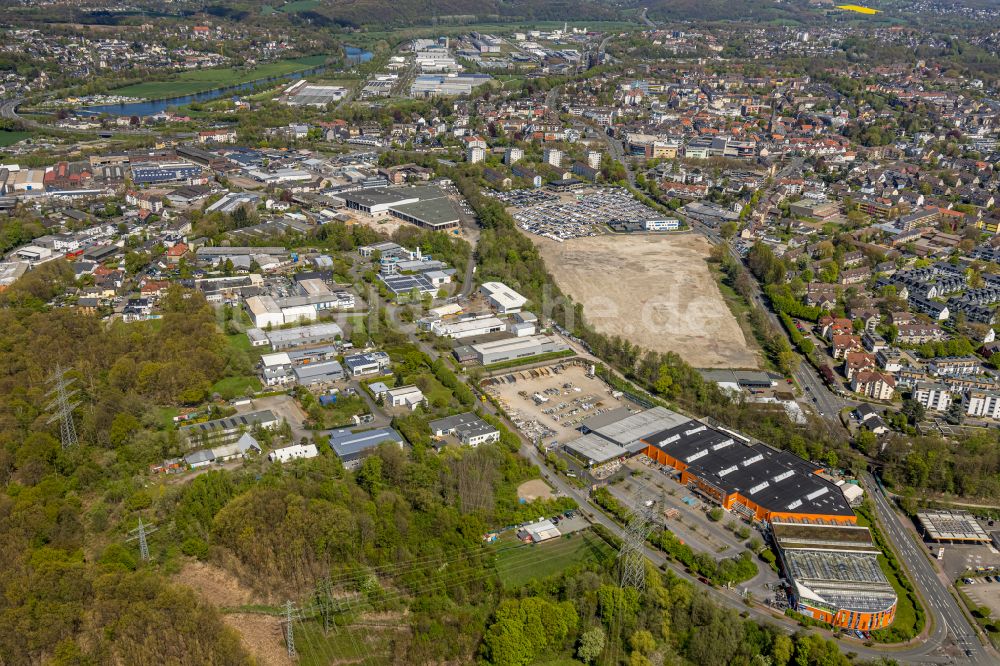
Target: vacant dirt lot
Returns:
[[534, 489], [655, 291]]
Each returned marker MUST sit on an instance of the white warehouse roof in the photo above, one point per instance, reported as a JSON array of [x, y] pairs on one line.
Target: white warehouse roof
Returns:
[[503, 296]]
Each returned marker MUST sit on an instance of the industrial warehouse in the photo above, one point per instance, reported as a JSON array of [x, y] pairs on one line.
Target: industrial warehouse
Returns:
[[424, 205], [829, 561], [835, 574], [752, 480]]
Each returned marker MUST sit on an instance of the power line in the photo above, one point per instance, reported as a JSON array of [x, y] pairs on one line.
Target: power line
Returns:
[[356, 605], [62, 407]]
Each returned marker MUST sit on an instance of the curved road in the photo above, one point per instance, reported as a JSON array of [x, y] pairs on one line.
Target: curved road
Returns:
[[950, 621], [8, 110]]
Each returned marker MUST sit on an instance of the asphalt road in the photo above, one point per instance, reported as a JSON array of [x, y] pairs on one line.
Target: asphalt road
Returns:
[[826, 403], [8, 110], [950, 622]]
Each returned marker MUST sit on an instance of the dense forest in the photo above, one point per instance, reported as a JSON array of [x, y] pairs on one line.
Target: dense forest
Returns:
[[71, 592]]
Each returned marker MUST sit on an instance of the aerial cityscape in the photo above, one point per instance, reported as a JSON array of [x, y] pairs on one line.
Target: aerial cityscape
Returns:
[[524, 333]]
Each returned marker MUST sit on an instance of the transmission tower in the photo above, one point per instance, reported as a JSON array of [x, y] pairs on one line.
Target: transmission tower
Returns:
[[61, 406], [289, 630], [140, 534], [631, 561]]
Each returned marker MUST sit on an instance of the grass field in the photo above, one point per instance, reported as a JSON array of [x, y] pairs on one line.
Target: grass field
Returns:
[[905, 622], [299, 6], [517, 566], [741, 311], [234, 387], [241, 342], [906, 615], [201, 80], [165, 416], [9, 138]]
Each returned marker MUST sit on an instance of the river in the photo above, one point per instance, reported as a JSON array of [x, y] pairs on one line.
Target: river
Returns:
[[152, 107]]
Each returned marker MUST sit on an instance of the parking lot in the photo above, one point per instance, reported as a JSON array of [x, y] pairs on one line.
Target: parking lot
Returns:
[[579, 214], [549, 403], [686, 515], [522, 198], [683, 512], [960, 559], [984, 592]]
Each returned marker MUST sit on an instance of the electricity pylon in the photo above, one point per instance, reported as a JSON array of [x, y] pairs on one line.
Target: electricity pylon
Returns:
[[62, 407], [631, 560], [141, 533], [289, 628]]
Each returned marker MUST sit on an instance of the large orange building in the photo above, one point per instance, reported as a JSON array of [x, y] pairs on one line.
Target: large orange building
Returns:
[[835, 575], [752, 480], [829, 560]]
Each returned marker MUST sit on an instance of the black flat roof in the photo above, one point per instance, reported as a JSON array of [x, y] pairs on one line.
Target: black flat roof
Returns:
[[776, 480]]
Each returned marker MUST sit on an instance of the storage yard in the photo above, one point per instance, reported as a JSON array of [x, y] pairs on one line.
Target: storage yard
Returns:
[[549, 403], [655, 291], [577, 215]]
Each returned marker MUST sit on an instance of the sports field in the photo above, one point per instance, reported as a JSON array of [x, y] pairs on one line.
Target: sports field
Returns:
[[200, 80], [655, 291]]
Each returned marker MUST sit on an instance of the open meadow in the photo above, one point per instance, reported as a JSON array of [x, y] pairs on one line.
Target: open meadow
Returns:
[[200, 80]]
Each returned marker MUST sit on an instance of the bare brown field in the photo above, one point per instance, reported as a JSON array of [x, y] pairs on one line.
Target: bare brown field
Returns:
[[534, 489], [655, 291], [261, 634]]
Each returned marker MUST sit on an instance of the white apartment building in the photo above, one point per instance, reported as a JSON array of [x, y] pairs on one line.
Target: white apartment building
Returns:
[[552, 156], [983, 404], [936, 397]]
